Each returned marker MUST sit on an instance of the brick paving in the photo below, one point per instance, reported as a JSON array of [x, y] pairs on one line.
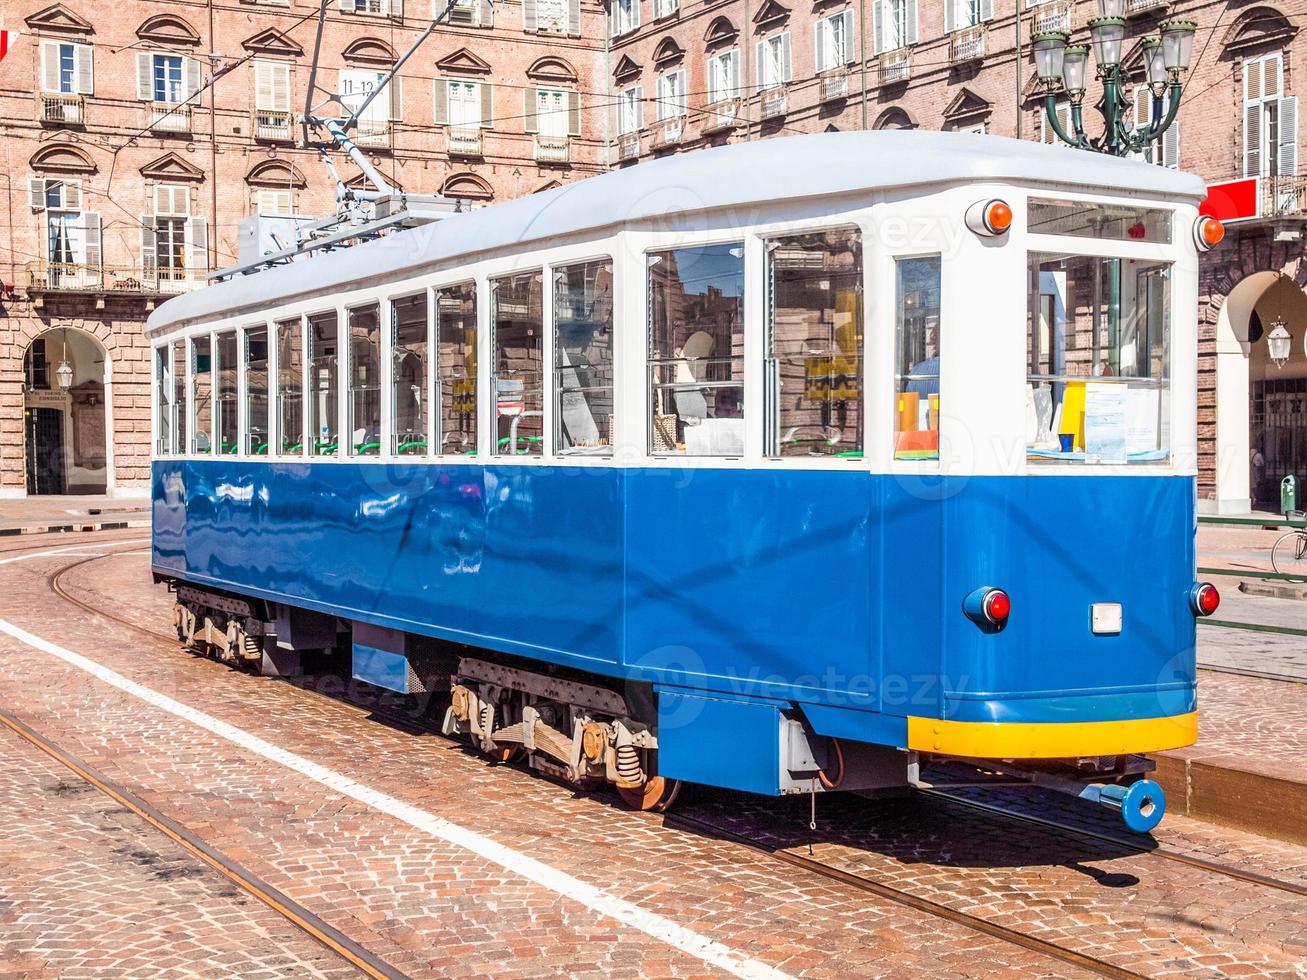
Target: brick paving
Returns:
[[431, 909]]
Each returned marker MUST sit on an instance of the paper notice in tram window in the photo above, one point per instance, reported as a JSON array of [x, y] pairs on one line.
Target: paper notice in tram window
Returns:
[[1073, 413], [1105, 423], [1142, 418], [715, 437]]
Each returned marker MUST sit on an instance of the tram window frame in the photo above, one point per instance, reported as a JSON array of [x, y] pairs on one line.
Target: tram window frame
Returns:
[[226, 392], [181, 395], [664, 439], [412, 441], [194, 403], [534, 449], [295, 329], [250, 390], [371, 439], [164, 393], [601, 445], [317, 447], [775, 429], [446, 388], [905, 375]]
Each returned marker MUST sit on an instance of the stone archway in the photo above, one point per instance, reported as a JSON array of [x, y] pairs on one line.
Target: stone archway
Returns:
[[68, 420]]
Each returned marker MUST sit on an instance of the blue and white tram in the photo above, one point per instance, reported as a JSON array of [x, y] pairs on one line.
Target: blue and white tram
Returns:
[[782, 466]]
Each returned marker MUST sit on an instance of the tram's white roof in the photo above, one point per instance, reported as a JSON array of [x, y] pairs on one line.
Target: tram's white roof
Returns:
[[788, 168]]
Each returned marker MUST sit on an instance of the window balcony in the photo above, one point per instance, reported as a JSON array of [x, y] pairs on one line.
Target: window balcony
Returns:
[[1133, 8], [95, 279], [721, 116], [1052, 16], [833, 85], [773, 102], [64, 277], [464, 141], [1283, 196], [273, 126], [553, 149], [169, 117], [60, 109], [628, 146], [967, 44], [895, 67], [375, 133], [668, 132]]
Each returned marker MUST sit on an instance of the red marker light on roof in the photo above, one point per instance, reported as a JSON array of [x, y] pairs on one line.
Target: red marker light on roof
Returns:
[[1204, 599], [990, 218], [1208, 233]]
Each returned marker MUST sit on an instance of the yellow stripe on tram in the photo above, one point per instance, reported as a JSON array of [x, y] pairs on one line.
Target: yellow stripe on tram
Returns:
[[1051, 740]]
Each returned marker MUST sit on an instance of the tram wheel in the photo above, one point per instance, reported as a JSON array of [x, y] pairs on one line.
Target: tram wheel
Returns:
[[656, 795]]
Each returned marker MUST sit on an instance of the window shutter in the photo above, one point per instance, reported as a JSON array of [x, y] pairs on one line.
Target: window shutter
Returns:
[[1272, 75], [72, 195], [529, 100], [395, 93], [487, 13], [787, 62], [819, 63], [635, 14], [1171, 145], [396, 8], [912, 23], [986, 10], [84, 59], [91, 244], [574, 113], [950, 15], [1252, 80], [574, 17], [1287, 162], [262, 85], [760, 65], [149, 246], [440, 110], [197, 247], [487, 105], [878, 18], [144, 76], [191, 67], [49, 66], [639, 108], [1252, 140], [346, 5], [36, 193], [849, 50], [529, 19]]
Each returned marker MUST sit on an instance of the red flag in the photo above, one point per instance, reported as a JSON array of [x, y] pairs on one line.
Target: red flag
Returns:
[[6, 39]]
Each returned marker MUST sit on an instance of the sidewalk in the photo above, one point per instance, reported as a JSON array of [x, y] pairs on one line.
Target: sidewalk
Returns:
[[35, 515]]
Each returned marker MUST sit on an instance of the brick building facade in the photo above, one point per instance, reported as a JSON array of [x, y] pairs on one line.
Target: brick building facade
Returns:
[[122, 189]]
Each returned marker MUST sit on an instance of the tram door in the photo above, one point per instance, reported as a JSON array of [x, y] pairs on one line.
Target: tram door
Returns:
[[45, 451]]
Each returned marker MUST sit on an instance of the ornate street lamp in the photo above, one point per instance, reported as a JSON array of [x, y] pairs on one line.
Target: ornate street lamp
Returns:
[[1278, 342], [1062, 68], [63, 374]]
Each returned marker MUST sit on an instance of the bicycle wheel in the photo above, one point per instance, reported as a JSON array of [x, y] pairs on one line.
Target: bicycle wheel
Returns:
[[1289, 554]]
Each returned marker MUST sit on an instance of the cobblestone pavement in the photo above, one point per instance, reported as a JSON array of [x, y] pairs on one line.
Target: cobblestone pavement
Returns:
[[433, 908]]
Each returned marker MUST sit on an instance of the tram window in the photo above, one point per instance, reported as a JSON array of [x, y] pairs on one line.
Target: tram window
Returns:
[[324, 408], [290, 386], [163, 396], [201, 396], [583, 357], [226, 373], [916, 358], [696, 350], [256, 390], [1098, 359], [814, 344], [365, 380], [409, 401], [516, 304], [1096, 219], [179, 396], [456, 369]]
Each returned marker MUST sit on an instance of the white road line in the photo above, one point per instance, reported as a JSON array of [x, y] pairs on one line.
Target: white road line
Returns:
[[74, 550], [650, 923]]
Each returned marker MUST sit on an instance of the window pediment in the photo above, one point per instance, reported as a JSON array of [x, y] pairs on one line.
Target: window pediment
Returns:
[[62, 158], [465, 62], [171, 167], [967, 105], [1257, 28], [369, 51], [551, 69], [275, 174], [273, 42], [667, 51], [626, 69], [168, 29], [467, 186], [770, 13], [58, 19], [720, 31]]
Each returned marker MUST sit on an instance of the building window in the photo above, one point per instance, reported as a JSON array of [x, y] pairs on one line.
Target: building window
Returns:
[[409, 401], [466, 13], [814, 344], [724, 76], [774, 61], [1164, 151], [364, 423], [916, 358], [456, 369], [554, 112], [834, 41], [381, 8], [1097, 353], [961, 14], [36, 369], [896, 24], [670, 88], [166, 79], [583, 358], [665, 8], [552, 16], [463, 105], [275, 203], [67, 69], [174, 246], [517, 325], [1046, 132], [71, 235], [630, 110], [168, 85], [1270, 137], [626, 16], [696, 350], [356, 84], [272, 118]]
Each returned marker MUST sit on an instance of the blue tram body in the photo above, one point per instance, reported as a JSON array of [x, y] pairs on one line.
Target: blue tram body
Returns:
[[663, 589]]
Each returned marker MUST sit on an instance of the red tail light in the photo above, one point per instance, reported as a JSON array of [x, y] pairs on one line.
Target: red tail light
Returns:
[[997, 607], [1204, 599]]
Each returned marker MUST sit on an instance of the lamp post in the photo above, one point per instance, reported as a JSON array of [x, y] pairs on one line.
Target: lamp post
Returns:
[[1062, 67]]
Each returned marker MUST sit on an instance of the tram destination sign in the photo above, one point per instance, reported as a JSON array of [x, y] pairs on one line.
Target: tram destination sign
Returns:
[[1233, 200]]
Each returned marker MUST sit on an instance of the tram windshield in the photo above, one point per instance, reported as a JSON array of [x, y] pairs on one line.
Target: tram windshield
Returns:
[[1098, 359]]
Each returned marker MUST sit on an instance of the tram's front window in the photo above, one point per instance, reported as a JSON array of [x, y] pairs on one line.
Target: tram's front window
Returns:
[[179, 395], [201, 396], [365, 380], [324, 408], [256, 390], [516, 315], [696, 350], [1098, 359], [410, 404], [456, 369], [163, 400]]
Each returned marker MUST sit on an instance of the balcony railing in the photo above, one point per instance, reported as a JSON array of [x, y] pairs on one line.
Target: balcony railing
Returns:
[[834, 85], [553, 149], [1283, 195], [464, 141], [895, 66], [1135, 7], [668, 132], [270, 125], [773, 102], [58, 108], [1052, 16], [168, 117], [967, 44], [73, 277], [721, 116], [373, 132], [628, 146]]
